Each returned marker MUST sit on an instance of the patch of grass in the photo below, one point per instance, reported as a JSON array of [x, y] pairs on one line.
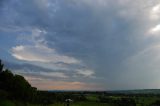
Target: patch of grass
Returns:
[[82, 104], [7, 103], [92, 97]]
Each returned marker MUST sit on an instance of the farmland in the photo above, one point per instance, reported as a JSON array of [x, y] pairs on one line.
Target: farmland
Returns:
[[97, 99]]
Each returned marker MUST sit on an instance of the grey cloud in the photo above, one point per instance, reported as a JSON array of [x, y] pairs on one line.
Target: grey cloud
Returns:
[[102, 34], [69, 73]]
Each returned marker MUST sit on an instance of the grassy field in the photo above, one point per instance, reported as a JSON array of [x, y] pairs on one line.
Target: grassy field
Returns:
[[8, 103], [92, 100], [82, 104], [72, 104]]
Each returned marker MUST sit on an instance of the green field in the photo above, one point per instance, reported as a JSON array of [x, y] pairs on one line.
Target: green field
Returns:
[[82, 104], [8, 103], [92, 101]]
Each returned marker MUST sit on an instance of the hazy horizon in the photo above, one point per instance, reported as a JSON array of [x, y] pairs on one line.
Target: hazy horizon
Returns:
[[82, 44]]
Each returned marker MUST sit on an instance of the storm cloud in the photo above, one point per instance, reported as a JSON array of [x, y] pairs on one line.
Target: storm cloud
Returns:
[[108, 44]]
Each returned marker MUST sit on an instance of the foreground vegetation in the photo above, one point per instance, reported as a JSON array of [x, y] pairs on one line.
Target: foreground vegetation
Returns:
[[16, 91], [139, 101]]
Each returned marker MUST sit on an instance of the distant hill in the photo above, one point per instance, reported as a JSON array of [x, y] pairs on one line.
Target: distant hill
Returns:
[[141, 91], [138, 91]]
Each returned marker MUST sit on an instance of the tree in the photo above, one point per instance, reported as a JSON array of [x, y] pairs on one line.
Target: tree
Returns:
[[1, 66], [17, 88]]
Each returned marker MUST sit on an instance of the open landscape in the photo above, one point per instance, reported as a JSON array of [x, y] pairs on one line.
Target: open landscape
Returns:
[[16, 91], [79, 52]]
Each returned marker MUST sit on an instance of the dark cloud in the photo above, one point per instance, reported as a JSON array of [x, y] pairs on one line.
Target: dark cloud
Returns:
[[62, 74], [102, 34], [101, 39]]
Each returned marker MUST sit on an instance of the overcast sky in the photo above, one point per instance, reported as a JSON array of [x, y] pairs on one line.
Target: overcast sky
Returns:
[[82, 44]]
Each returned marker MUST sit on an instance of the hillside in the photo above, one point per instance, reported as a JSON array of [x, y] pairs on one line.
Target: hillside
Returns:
[[138, 91]]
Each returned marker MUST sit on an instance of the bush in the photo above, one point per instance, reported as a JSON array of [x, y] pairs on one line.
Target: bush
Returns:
[[3, 95], [7, 103]]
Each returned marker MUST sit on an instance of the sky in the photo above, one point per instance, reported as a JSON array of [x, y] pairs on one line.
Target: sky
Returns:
[[82, 44]]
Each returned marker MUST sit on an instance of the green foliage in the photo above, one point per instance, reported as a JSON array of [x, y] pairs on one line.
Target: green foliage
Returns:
[[1, 66], [3, 95], [15, 87], [6, 103]]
